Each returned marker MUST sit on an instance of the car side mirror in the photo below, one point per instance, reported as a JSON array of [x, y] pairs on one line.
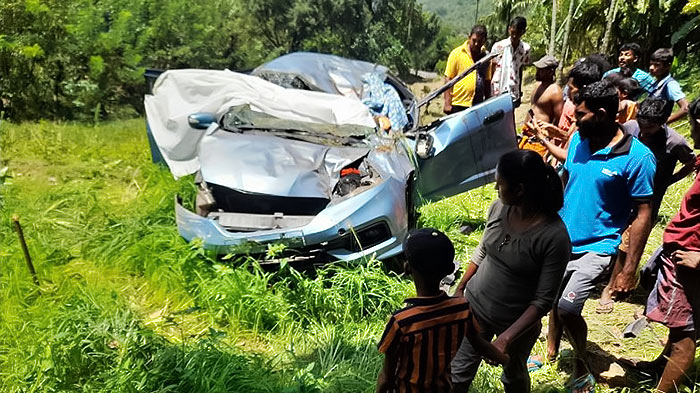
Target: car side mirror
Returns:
[[201, 121], [424, 145]]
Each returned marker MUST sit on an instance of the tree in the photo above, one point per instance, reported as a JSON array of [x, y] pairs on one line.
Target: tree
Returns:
[[553, 29], [565, 41]]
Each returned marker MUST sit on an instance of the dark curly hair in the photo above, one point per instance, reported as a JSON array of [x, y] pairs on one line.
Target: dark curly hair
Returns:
[[600, 95]]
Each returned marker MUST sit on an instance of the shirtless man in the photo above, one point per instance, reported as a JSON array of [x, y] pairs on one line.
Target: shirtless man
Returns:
[[547, 99], [545, 105]]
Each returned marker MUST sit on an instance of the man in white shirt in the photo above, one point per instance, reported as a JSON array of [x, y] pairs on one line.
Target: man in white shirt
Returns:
[[507, 68]]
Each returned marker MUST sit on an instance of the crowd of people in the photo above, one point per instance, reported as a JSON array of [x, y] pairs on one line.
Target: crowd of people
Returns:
[[575, 208]]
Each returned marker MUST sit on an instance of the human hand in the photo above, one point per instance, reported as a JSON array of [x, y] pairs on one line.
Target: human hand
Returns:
[[625, 282], [549, 127], [498, 355], [533, 129], [460, 289], [689, 259], [447, 108]]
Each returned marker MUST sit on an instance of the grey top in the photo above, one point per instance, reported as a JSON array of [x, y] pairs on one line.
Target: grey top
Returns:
[[669, 148], [516, 270]]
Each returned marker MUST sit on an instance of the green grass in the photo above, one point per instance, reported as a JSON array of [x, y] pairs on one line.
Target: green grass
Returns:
[[126, 305]]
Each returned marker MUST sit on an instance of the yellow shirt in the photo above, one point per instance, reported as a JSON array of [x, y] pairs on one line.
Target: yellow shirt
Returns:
[[459, 60]]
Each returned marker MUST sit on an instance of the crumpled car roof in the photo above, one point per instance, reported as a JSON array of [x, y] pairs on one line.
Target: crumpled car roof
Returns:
[[180, 93], [320, 72]]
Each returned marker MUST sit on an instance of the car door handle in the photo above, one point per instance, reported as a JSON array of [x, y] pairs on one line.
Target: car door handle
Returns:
[[494, 117]]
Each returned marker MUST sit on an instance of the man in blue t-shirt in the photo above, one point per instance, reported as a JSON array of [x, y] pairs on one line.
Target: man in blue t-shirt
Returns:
[[665, 86], [628, 58], [608, 174]]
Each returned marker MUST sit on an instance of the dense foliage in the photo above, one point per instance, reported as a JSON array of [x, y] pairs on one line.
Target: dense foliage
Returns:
[[459, 15], [581, 26], [85, 58]]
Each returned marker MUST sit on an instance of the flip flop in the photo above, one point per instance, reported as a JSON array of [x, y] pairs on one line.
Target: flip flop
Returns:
[[649, 368], [604, 307], [533, 364], [582, 384]]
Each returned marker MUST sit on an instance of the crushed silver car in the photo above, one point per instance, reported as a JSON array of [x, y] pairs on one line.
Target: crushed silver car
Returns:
[[292, 154]]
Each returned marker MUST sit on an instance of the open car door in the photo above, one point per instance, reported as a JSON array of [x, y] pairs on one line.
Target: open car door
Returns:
[[465, 150]]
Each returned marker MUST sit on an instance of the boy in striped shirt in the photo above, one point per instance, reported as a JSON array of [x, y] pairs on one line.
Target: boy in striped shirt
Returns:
[[421, 339]]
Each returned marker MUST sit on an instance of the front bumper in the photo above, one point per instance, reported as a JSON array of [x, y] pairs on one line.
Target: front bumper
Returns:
[[336, 231]]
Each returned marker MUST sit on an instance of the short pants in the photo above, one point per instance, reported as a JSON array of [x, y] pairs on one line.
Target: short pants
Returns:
[[582, 274], [675, 299]]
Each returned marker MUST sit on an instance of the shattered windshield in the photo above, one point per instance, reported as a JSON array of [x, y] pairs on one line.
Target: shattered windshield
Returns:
[[243, 119]]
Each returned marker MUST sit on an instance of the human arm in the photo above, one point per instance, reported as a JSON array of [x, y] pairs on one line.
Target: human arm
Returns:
[[528, 318], [685, 170], [681, 112], [557, 152], [689, 259], [639, 175], [468, 274], [478, 256], [675, 94], [493, 354], [388, 345], [557, 105], [451, 71], [626, 280], [447, 107], [387, 375]]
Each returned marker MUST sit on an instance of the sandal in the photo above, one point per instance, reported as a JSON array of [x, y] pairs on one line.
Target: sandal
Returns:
[[582, 384], [652, 369], [533, 363], [604, 307]]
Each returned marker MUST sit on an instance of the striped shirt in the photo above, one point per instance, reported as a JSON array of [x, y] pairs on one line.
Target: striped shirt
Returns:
[[426, 334]]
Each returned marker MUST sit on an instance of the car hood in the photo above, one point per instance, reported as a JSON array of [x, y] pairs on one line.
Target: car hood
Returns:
[[266, 164], [180, 93], [320, 72]]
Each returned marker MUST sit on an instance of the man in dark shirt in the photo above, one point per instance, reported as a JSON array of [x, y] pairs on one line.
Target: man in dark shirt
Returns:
[[666, 144], [668, 148]]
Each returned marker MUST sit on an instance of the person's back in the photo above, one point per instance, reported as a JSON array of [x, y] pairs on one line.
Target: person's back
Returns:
[[426, 335], [421, 339]]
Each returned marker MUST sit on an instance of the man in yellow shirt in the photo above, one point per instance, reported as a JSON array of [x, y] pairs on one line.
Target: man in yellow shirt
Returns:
[[475, 87]]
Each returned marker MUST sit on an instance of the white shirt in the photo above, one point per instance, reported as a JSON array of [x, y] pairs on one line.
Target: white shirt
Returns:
[[506, 75]]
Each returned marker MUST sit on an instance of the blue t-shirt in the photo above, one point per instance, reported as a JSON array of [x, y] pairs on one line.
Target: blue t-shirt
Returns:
[[645, 80], [667, 88], [598, 198]]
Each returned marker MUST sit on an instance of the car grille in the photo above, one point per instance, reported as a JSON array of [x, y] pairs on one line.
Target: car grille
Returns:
[[230, 200]]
